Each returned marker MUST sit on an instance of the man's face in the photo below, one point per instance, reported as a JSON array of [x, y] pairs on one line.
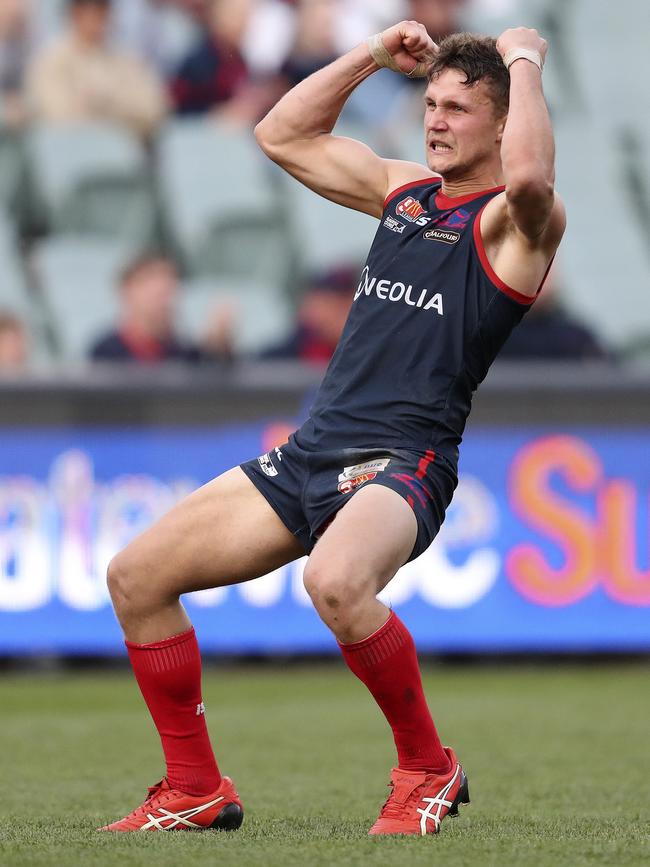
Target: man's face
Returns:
[[90, 22], [150, 297], [462, 130]]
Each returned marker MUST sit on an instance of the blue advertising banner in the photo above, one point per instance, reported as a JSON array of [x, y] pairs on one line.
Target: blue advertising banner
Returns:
[[545, 546]]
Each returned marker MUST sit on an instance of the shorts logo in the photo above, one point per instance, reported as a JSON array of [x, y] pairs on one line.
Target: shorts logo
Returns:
[[410, 209], [394, 225], [266, 464], [354, 477], [447, 236]]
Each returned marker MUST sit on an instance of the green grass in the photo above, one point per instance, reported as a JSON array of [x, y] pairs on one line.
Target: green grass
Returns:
[[557, 758]]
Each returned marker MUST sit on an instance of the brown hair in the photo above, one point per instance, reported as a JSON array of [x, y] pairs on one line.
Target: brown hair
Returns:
[[142, 262], [478, 58]]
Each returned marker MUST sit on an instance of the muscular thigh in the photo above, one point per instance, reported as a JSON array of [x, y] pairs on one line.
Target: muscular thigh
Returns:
[[223, 533], [369, 539]]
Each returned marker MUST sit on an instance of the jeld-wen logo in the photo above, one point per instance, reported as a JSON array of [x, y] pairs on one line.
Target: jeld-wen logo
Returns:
[[387, 291]]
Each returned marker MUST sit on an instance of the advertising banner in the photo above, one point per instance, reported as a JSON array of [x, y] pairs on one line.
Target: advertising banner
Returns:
[[545, 546]]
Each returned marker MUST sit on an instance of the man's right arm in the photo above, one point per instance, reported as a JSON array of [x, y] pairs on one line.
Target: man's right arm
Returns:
[[297, 132]]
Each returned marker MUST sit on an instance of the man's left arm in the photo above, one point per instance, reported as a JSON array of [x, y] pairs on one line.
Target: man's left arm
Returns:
[[527, 146]]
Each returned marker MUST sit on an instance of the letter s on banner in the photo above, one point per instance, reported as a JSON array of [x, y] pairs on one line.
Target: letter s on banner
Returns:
[[574, 532], [624, 581]]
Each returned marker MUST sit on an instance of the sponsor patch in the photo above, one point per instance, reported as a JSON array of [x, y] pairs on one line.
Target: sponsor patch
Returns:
[[355, 476], [394, 225], [409, 208], [266, 464], [447, 236], [398, 291]]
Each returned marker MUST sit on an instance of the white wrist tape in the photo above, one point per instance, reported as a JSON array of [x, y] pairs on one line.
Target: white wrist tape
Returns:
[[525, 53], [383, 57]]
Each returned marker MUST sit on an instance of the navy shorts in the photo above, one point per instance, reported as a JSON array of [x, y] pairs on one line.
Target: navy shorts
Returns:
[[307, 489]]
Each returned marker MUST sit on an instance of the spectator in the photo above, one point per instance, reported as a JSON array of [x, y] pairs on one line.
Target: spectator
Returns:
[[440, 17], [322, 312], [14, 51], [80, 78], [547, 331], [149, 290], [14, 344], [161, 31], [315, 39], [215, 77], [269, 35]]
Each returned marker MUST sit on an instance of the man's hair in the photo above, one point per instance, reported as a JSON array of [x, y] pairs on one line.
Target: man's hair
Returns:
[[143, 262], [478, 58]]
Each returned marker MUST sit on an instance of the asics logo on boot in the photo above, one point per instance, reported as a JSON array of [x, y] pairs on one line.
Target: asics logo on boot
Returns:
[[436, 803]]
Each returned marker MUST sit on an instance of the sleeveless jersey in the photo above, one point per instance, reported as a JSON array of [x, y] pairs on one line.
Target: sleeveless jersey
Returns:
[[428, 318]]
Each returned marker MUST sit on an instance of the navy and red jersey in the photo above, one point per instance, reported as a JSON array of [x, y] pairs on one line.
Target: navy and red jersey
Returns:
[[428, 318]]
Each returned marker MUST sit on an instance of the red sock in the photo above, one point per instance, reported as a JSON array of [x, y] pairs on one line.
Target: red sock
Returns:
[[388, 665], [169, 676]]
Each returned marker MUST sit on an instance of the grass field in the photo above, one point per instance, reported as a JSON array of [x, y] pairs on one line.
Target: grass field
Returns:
[[558, 760]]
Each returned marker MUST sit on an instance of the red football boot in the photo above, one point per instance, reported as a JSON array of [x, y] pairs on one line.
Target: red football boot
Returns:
[[419, 801], [167, 809]]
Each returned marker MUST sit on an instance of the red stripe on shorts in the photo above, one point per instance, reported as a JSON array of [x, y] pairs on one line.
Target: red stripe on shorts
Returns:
[[424, 464]]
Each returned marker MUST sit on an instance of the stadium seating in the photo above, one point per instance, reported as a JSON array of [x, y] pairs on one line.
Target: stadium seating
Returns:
[[77, 278], [12, 170], [232, 216], [327, 233], [604, 259], [610, 41], [13, 290], [93, 179], [262, 314], [224, 208]]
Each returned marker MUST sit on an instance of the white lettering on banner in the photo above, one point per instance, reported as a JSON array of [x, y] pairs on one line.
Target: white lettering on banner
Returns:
[[56, 540], [25, 580], [209, 598], [265, 591], [472, 519], [387, 291]]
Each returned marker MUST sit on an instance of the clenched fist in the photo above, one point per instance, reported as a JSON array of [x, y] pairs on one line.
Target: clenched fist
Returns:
[[405, 47], [521, 37]]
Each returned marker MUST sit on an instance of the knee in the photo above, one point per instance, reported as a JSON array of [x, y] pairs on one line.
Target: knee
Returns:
[[333, 591], [117, 580], [125, 584]]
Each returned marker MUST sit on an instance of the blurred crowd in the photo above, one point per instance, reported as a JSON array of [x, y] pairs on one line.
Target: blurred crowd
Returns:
[[135, 63]]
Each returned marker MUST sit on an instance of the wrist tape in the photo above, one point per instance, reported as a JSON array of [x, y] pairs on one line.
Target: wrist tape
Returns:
[[525, 53], [383, 57]]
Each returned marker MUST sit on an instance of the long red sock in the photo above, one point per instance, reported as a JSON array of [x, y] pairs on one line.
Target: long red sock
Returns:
[[169, 676], [387, 663]]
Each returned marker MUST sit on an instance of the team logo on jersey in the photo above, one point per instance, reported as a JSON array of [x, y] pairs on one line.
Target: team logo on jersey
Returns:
[[394, 225], [410, 209], [447, 236], [353, 477], [458, 219]]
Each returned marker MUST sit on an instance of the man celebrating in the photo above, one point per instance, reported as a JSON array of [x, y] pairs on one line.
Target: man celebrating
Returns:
[[461, 251]]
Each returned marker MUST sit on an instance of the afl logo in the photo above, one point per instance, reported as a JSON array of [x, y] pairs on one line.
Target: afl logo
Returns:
[[410, 209]]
